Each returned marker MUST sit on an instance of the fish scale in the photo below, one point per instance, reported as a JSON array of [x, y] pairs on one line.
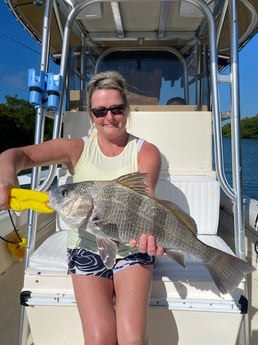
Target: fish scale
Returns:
[[130, 212], [120, 210], [135, 214]]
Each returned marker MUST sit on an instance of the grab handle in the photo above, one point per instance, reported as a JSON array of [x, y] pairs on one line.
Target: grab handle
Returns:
[[22, 199]]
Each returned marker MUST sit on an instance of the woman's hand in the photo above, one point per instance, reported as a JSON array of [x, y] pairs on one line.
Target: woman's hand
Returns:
[[5, 194], [4, 197], [147, 244], [7, 181]]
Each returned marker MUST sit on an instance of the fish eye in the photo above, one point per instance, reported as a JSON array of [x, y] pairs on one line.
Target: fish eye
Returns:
[[65, 192]]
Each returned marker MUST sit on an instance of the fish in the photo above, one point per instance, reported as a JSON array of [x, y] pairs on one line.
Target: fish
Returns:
[[120, 210]]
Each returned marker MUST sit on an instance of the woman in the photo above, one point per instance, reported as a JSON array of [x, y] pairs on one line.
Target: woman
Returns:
[[110, 151]]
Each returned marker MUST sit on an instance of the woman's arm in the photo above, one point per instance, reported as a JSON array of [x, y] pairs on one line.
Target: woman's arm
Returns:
[[14, 160], [149, 161]]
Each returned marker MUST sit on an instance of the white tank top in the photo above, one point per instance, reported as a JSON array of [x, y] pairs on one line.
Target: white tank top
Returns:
[[94, 165]]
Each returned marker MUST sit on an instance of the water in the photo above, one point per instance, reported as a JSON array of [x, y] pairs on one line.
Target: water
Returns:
[[249, 149]]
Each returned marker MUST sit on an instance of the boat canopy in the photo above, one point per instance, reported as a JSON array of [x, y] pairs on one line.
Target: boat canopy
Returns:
[[162, 48], [109, 24]]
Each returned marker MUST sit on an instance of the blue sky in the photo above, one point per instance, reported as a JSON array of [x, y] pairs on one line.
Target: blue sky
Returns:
[[19, 52]]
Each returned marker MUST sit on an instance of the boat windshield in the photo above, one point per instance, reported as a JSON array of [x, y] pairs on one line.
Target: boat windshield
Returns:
[[153, 77]]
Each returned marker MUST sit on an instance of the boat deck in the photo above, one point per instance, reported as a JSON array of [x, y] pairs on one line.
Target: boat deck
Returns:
[[11, 282]]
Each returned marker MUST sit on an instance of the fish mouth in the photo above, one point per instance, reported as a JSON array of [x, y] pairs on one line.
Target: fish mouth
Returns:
[[49, 204]]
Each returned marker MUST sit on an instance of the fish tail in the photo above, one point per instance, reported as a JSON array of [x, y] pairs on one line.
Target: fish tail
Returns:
[[227, 270]]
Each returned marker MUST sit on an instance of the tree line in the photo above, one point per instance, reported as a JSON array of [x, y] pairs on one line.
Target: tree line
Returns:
[[17, 123], [248, 128]]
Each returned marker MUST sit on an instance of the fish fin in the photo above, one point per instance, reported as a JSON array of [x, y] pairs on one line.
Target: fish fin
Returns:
[[107, 251], [176, 255], [134, 181], [181, 215], [227, 270]]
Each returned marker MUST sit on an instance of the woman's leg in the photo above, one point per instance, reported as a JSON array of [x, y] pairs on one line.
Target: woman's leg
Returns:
[[132, 290], [94, 297]]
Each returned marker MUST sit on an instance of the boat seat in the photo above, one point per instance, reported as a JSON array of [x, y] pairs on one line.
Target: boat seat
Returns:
[[199, 196], [173, 287]]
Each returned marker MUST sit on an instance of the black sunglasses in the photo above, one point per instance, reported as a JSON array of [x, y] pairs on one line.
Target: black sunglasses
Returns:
[[102, 111]]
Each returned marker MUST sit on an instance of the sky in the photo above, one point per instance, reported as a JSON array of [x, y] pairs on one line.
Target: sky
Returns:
[[19, 52]]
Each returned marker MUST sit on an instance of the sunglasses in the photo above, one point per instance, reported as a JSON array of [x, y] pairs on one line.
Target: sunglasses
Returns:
[[102, 111]]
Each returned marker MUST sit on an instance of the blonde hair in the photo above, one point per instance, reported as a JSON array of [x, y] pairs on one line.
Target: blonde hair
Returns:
[[107, 80]]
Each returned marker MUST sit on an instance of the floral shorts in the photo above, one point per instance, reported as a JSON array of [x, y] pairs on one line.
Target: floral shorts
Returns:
[[84, 262]]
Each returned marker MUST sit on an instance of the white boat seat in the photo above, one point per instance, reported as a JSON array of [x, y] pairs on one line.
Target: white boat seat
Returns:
[[51, 257], [198, 196], [173, 286]]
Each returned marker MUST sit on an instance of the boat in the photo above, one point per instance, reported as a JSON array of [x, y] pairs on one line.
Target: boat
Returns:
[[165, 50]]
